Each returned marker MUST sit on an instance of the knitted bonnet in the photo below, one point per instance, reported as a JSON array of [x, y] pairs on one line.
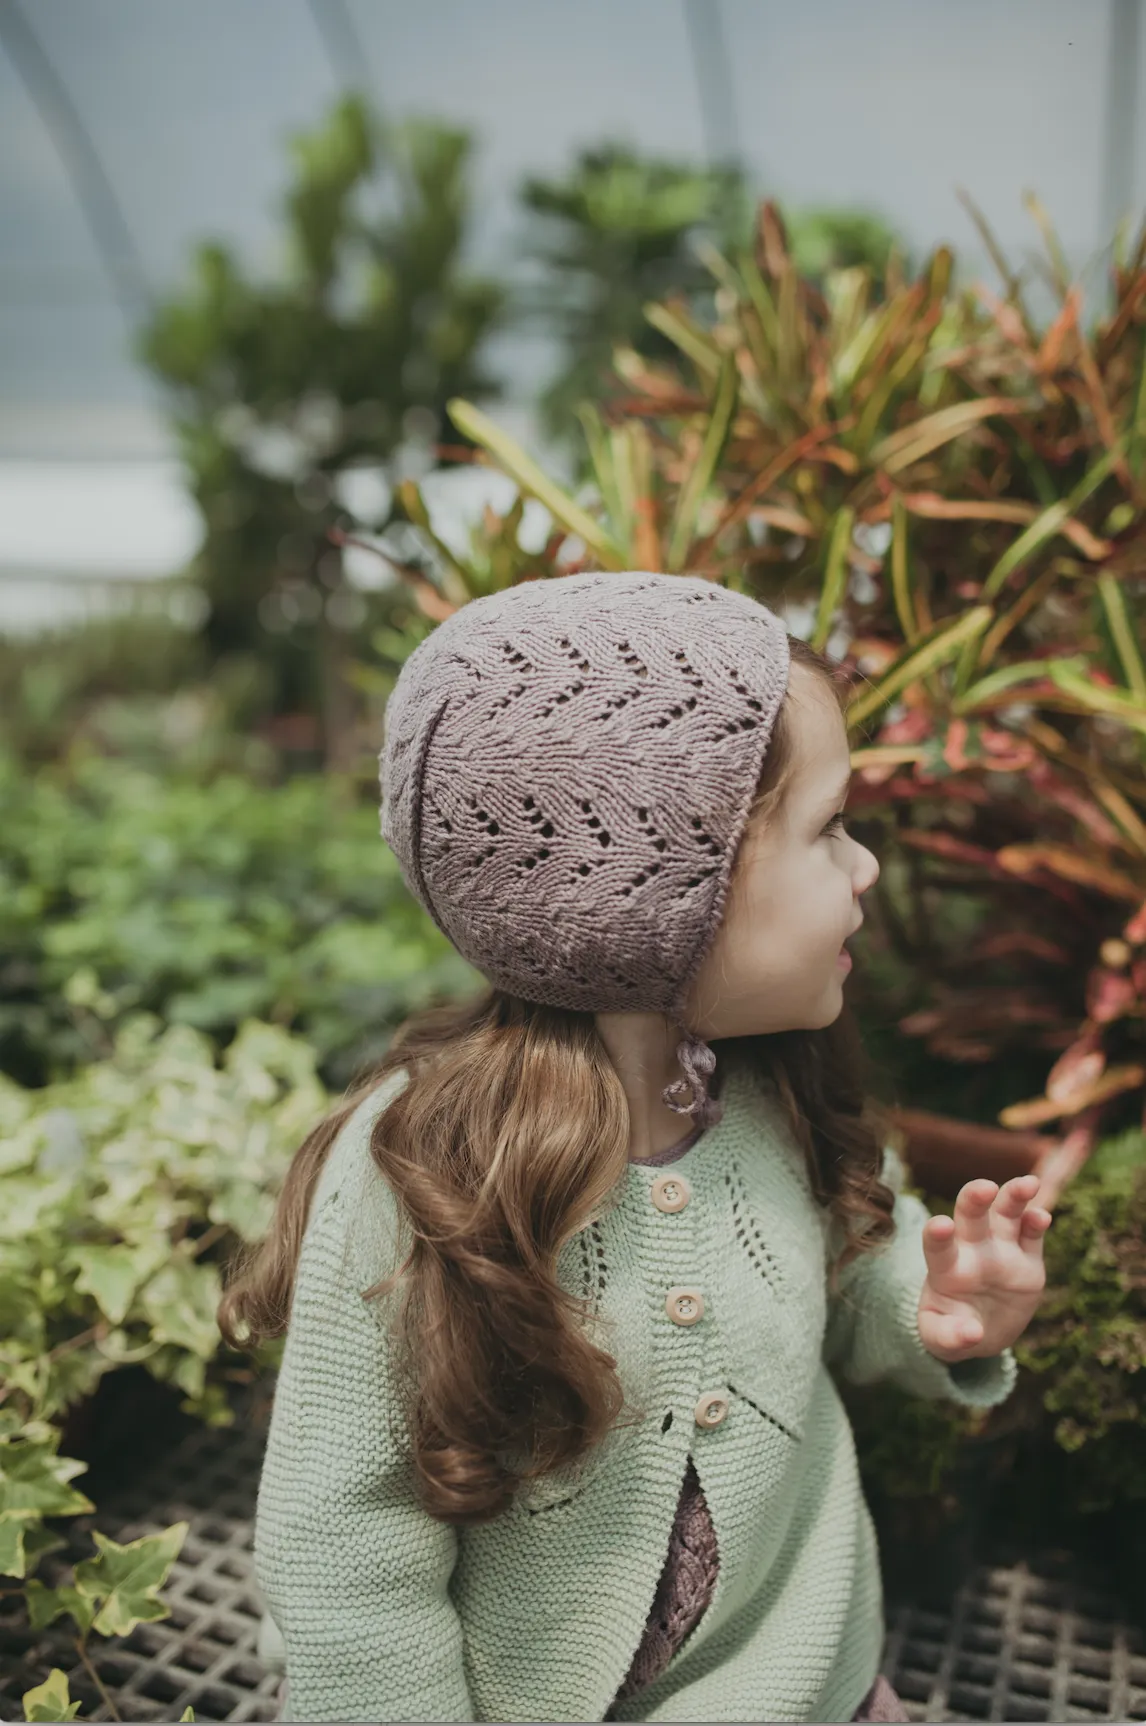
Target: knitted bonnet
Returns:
[[567, 769]]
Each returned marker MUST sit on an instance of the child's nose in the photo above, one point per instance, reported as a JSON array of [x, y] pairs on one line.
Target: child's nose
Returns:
[[869, 870]]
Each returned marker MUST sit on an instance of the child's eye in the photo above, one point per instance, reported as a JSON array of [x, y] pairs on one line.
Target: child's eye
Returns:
[[836, 824]]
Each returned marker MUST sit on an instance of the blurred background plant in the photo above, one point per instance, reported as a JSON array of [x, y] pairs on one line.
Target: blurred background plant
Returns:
[[205, 903], [952, 501], [299, 400], [621, 230]]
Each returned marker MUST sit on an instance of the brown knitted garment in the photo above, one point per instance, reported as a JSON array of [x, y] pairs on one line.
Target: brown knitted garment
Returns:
[[688, 1578], [683, 1592]]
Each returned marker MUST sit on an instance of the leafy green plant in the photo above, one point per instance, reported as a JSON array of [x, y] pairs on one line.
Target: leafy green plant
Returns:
[[954, 497], [206, 903], [621, 229], [52, 1701], [56, 682], [125, 1189], [112, 1593], [616, 231], [294, 398]]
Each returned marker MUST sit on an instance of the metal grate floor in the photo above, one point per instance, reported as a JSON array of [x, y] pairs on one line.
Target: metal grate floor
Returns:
[[203, 1655], [1028, 1640], [1016, 1643]]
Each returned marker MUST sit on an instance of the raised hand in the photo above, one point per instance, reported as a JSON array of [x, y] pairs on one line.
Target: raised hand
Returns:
[[985, 1271]]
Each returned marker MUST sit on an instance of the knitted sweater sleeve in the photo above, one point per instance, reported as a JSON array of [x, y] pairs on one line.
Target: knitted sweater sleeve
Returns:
[[354, 1572], [872, 1330]]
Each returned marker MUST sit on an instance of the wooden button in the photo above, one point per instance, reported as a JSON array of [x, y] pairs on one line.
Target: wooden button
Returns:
[[670, 1192], [711, 1409], [684, 1305]]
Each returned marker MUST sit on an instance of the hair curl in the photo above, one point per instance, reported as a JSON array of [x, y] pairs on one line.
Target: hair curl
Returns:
[[510, 1135]]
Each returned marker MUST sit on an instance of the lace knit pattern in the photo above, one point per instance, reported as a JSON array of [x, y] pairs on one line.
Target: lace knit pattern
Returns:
[[684, 1590], [566, 771]]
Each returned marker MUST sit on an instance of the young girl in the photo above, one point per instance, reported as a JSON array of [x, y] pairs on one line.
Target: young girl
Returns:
[[555, 1436]]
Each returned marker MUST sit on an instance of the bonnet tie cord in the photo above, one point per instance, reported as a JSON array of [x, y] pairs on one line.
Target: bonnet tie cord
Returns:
[[698, 1062]]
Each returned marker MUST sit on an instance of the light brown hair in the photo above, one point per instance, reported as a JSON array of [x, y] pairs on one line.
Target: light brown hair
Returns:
[[510, 1135]]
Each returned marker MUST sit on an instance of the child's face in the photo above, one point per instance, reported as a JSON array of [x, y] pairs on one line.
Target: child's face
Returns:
[[775, 964]]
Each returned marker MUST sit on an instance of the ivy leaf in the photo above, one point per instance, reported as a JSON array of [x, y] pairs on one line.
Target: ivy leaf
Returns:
[[181, 1301], [50, 1700], [126, 1579], [111, 1275], [12, 1556], [245, 1206], [46, 1604], [33, 1482], [38, 1542]]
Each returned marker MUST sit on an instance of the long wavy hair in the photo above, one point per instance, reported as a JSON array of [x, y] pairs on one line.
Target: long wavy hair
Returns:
[[511, 1135]]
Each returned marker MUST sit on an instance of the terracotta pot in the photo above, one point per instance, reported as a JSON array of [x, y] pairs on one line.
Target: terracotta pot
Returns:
[[944, 1153]]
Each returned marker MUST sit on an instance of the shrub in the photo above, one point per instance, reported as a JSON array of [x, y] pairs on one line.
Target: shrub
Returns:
[[206, 904], [125, 1188], [953, 497]]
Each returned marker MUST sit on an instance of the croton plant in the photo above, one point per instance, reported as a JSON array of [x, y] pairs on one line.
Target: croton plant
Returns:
[[953, 495]]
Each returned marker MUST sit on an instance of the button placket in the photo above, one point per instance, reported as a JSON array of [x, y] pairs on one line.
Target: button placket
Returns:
[[675, 1243]]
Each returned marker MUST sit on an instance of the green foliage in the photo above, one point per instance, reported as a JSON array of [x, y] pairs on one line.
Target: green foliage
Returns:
[[118, 1183], [116, 1590], [826, 240], [126, 1188], [113, 1592], [620, 230], [283, 389], [207, 904], [908, 1447], [1087, 1345], [945, 490], [50, 1700], [134, 684], [615, 232]]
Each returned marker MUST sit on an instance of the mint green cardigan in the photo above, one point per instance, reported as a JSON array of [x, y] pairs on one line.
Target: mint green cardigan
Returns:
[[382, 1613]]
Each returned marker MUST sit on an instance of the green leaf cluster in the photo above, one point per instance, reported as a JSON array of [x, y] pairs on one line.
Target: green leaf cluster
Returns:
[[340, 358], [1087, 1344], [112, 1593], [125, 1186], [207, 904]]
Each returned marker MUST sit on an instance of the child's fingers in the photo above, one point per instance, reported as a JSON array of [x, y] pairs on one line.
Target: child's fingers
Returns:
[[972, 1210], [1035, 1224], [939, 1245], [1007, 1211]]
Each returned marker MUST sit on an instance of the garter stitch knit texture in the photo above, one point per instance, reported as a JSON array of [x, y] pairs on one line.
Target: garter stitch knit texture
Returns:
[[566, 772], [385, 1614]]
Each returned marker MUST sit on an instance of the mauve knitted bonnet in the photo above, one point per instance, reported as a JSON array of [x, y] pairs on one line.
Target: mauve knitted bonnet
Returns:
[[566, 770]]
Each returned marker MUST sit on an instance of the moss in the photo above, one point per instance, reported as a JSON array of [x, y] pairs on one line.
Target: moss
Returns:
[[1082, 1386]]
